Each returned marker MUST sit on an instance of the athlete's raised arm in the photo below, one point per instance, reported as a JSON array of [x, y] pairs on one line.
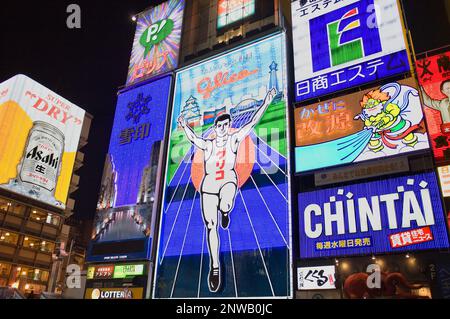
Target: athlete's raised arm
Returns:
[[190, 134], [245, 130]]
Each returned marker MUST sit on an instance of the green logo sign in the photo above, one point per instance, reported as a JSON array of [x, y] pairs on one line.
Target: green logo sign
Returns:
[[156, 33], [124, 271]]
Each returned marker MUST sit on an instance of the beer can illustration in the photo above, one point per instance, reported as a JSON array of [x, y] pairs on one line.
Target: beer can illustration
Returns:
[[41, 162]]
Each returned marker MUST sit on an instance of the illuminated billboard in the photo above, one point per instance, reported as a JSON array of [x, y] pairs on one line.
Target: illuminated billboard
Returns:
[[224, 228], [343, 44], [386, 216], [379, 122], [39, 136], [123, 223], [444, 178], [434, 79], [114, 293], [157, 41], [315, 278], [230, 11]]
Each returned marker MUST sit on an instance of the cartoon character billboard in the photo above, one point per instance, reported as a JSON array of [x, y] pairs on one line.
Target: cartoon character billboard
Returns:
[[156, 42], [380, 122], [225, 216], [39, 136], [386, 216], [434, 79], [230, 11], [124, 222], [343, 44]]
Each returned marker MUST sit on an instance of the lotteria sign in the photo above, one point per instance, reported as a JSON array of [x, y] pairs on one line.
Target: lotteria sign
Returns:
[[342, 44], [392, 215]]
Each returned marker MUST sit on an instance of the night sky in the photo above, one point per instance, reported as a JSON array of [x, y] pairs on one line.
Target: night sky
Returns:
[[88, 65]]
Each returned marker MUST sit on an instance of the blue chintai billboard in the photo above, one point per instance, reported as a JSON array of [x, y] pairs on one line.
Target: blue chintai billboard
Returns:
[[225, 215], [387, 216], [124, 222]]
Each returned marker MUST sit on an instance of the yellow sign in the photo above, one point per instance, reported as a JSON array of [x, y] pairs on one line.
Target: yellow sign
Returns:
[[39, 136], [114, 293]]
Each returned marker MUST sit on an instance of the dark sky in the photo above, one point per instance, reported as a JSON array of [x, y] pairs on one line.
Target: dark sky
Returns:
[[87, 66]]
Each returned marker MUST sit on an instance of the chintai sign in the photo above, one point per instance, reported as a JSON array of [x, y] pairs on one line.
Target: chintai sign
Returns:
[[392, 215]]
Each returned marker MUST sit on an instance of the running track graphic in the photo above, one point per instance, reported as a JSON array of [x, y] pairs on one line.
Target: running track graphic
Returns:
[[255, 248]]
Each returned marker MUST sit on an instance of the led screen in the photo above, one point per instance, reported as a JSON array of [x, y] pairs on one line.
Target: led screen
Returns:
[[39, 136], [387, 216], [343, 44], [225, 217], [123, 222], [380, 122]]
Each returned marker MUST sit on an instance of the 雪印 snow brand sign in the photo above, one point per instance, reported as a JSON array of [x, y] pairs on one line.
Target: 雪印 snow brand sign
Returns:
[[398, 214]]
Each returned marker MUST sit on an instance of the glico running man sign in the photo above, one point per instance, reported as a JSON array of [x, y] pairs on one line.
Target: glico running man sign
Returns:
[[225, 215], [342, 44], [392, 215], [39, 136]]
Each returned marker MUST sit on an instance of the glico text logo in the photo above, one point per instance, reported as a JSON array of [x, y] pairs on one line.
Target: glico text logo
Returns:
[[349, 34]]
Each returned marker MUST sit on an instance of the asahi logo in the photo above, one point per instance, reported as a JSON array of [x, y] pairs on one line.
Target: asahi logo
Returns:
[[38, 155]]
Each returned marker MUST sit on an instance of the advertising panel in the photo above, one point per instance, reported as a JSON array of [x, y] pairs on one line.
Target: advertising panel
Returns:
[[115, 271], [125, 208], [444, 179], [114, 293], [100, 272], [343, 44], [434, 79], [156, 42], [230, 11], [225, 218], [320, 277], [387, 216], [372, 124], [125, 271], [362, 171], [39, 136]]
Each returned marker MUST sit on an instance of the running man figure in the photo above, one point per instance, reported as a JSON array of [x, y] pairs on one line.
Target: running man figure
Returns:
[[220, 182]]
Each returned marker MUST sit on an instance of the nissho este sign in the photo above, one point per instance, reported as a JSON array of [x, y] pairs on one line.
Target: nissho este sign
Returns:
[[342, 44]]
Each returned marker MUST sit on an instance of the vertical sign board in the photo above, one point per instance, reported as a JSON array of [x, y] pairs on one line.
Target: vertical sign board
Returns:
[[225, 216], [342, 44], [123, 222], [314, 278], [444, 179], [380, 122], [230, 11], [434, 79], [156, 42], [392, 215], [39, 136]]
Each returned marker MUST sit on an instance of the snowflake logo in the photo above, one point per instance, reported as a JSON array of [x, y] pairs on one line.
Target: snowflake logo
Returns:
[[138, 108]]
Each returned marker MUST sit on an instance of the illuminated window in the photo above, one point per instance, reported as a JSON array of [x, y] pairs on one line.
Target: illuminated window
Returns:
[[5, 269], [44, 217], [230, 11], [13, 207], [18, 209], [4, 204], [8, 237], [38, 244]]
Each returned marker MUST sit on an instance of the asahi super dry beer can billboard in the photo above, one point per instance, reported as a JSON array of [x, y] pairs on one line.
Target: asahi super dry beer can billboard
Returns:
[[39, 135]]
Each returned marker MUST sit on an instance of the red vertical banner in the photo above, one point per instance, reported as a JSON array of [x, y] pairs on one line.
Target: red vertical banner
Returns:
[[434, 78]]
